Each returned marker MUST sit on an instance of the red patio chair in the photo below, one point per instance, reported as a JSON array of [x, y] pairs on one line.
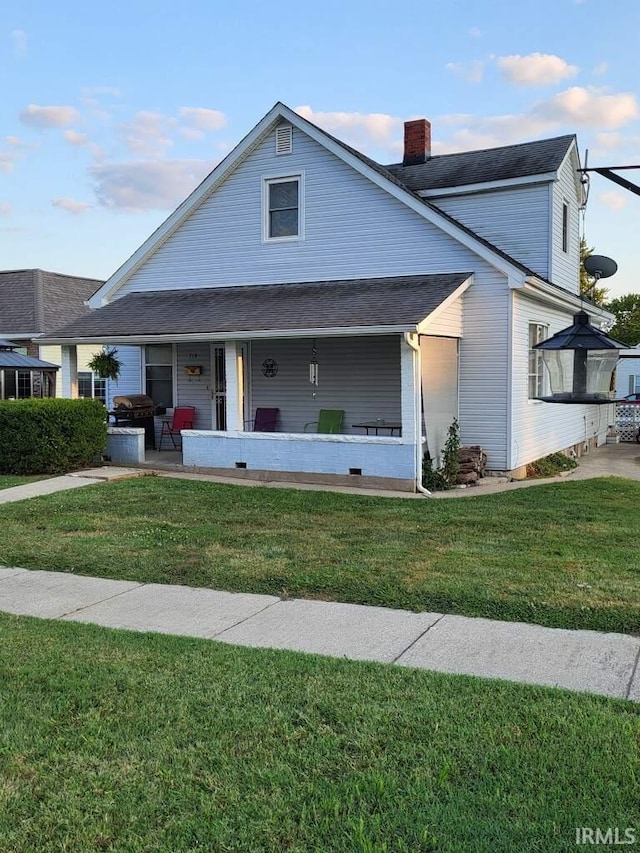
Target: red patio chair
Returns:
[[183, 418], [265, 420]]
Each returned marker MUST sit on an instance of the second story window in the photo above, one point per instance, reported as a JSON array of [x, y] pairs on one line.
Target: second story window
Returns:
[[565, 226], [283, 208]]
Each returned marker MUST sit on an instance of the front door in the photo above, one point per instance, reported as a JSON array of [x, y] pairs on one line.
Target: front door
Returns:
[[218, 388]]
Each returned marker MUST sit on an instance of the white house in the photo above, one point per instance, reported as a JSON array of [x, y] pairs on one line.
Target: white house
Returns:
[[410, 294]]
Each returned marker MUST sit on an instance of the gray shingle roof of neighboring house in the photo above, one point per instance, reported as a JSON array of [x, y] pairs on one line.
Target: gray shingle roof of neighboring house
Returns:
[[35, 301], [401, 301], [489, 164]]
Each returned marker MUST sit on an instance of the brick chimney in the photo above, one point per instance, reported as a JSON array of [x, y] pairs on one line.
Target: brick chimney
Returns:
[[417, 142]]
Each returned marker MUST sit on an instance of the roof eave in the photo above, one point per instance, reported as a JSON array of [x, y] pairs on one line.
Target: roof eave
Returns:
[[555, 295], [332, 331]]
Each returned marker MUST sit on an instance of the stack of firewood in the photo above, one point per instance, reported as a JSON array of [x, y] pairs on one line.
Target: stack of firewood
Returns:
[[472, 461]]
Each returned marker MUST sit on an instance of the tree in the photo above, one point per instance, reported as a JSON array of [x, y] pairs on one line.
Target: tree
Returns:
[[597, 295], [627, 313]]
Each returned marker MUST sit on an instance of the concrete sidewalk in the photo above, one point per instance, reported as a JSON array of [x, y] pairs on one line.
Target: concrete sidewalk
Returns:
[[576, 660]]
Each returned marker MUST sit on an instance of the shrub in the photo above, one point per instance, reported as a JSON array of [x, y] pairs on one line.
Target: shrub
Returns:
[[550, 465], [444, 478], [50, 436]]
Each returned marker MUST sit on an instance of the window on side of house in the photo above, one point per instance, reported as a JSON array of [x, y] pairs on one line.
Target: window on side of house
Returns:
[[538, 332], [283, 220], [158, 367], [91, 386], [565, 226]]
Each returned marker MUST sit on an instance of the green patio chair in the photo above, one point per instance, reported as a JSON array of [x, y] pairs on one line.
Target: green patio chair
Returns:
[[329, 422]]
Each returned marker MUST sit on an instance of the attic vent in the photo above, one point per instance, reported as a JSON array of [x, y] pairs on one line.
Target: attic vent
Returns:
[[284, 139]]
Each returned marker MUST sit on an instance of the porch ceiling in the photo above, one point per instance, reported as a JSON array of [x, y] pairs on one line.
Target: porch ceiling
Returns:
[[400, 302]]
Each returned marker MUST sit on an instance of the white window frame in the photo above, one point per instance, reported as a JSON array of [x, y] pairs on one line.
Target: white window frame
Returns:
[[281, 179], [94, 379], [539, 375]]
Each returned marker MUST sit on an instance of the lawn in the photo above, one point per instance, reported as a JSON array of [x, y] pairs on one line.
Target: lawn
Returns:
[[9, 480], [116, 741], [564, 555]]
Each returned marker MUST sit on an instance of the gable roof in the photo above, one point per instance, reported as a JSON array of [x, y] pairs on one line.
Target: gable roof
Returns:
[[34, 301], [364, 165], [400, 303], [489, 164]]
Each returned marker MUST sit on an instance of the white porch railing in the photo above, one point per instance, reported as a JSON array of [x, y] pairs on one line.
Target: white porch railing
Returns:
[[628, 420]]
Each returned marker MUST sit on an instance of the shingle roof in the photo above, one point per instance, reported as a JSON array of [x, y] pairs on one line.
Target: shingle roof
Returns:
[[489, 164], [401, 301], [36, 301]]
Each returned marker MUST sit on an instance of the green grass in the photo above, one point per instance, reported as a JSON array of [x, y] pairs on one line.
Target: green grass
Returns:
[[7, 481], [565, 555], [136, 742]]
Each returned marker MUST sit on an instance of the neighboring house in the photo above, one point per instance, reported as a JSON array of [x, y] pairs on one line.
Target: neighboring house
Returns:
[[34, 302], [628, 373], [411, 294]]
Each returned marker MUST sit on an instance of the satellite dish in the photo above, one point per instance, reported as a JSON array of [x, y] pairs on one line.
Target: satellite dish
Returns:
[[600, 266]]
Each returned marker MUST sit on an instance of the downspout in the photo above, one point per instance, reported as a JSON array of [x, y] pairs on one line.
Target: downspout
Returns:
[[414, 343]]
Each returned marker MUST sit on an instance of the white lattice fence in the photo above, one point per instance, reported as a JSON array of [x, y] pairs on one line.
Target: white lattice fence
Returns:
[[628, 420]]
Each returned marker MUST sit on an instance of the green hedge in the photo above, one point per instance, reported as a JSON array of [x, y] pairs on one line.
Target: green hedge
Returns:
[[50, 436]]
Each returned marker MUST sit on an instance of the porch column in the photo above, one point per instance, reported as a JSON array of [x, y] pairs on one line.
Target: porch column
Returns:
[[411, 396], [234, 370], [70, 372]]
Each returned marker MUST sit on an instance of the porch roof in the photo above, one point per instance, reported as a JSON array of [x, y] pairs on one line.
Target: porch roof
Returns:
[[398, 303]]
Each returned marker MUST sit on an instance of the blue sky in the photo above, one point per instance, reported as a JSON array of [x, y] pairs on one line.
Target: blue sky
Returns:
[[111, 114]]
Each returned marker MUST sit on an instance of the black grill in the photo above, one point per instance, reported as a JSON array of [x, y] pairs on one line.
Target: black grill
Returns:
[[136, 410]]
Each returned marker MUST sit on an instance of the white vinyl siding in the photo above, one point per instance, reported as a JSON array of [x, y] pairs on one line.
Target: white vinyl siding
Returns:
[[543, 428], [565, 264], [358, 375], [195, 390], [353, 229], [448, 322], [515, 220]]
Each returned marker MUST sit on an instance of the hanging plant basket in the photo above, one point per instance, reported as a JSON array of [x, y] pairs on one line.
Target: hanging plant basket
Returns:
[[106, 364]]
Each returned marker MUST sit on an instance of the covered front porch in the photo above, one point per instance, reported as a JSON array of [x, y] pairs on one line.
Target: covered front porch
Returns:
[[391, 385]]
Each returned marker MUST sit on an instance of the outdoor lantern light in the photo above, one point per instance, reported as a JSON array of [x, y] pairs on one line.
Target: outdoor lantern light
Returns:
[[580, 362]]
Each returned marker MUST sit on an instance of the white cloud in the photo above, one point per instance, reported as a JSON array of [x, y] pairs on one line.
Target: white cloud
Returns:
[[6, 161], [148, 133], [150, 185], [45, 117], [357, 129], [600, 69], [613, 200], [71, 205], [472, 72], [19, 38], [15, 142], [101, 90], [475, 32], [609, 140], [535, 69], [75, 138], [586, 107], [5, 209], [202, 118]]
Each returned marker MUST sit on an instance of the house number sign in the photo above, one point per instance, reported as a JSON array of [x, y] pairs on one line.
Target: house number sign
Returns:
[[269, 367]]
